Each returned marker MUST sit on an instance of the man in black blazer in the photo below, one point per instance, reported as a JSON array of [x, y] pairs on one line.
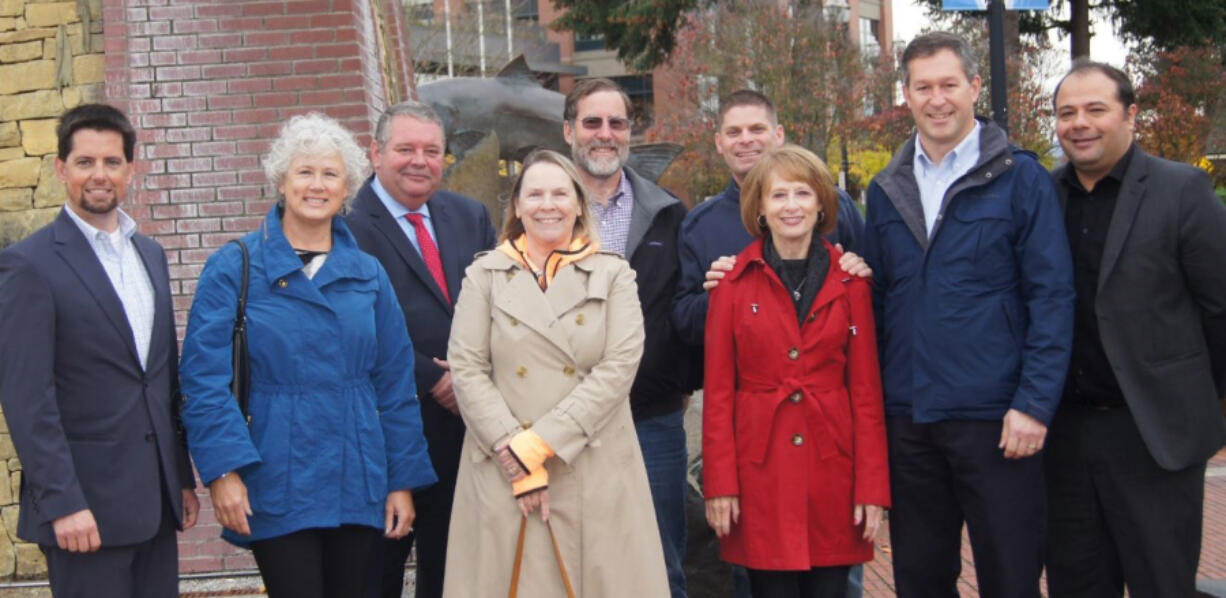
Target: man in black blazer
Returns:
[[425, 238], [88, 379], [1140, 416]]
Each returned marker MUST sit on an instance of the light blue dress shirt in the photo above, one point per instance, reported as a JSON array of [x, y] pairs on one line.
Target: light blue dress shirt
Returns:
[[127, 274], [934, 180], [398, 212]]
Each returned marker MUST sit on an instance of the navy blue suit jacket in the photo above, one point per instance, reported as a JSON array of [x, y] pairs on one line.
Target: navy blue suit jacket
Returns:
[[463, 228], [92, 429]]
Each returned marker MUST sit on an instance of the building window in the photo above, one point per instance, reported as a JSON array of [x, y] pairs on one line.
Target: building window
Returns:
[[870, 36], [638, 87], [584, 43], [526, 10]]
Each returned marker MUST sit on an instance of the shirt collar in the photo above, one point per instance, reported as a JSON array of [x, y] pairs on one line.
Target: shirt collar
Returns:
[[623, 190], [127, 226], [397, 209], [956, 158]]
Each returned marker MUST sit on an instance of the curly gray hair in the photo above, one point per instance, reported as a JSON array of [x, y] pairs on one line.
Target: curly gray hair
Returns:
[[315, 133]]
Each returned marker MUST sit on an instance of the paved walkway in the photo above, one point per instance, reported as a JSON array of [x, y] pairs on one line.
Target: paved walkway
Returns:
[[879, 579]]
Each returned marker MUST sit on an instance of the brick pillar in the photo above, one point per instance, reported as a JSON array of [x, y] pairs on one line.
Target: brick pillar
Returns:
[[208, 85]]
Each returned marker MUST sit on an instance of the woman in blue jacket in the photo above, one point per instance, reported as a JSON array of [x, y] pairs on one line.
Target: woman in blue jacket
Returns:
[[334, 446]]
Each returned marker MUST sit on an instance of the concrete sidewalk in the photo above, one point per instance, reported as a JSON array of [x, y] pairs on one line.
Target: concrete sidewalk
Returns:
[[1211, 577]]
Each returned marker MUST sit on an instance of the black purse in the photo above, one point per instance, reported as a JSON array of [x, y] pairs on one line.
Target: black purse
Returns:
[[240, 384]]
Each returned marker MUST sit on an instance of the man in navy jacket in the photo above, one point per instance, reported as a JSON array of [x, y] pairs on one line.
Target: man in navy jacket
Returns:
[[425, 238], [974, 305]]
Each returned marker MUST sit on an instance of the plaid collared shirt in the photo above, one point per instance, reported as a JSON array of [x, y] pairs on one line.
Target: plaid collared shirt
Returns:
[[127, 274], [613, 219]]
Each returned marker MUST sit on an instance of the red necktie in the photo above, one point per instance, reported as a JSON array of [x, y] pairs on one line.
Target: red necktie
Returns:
[[429, 253]]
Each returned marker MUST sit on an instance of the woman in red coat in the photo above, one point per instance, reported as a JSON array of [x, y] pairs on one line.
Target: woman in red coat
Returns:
[[794, 454]]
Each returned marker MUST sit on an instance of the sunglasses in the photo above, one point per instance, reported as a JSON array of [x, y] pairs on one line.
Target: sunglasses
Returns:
[[616, 123]]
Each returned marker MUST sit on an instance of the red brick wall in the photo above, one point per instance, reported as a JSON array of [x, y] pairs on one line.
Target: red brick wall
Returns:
[[208, 85]]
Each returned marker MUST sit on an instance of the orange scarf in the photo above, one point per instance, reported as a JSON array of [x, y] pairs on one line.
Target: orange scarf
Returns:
[[517, 250]]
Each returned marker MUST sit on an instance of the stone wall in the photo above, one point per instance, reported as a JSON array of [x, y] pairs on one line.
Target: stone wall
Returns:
[[51, 58], [45, 67]]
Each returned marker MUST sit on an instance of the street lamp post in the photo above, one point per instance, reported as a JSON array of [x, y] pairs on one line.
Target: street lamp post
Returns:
[[838, 11]]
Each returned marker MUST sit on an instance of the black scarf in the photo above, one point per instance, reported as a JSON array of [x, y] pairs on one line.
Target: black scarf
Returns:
[[802, 283]]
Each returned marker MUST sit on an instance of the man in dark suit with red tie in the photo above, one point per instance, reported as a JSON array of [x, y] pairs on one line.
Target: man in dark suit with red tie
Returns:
[[425, 238]]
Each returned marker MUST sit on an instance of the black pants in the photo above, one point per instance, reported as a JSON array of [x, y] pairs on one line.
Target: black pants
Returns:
[[1115, 517], [149, 569], [818, 582], [433, 508], [317, 563], [948, 473]]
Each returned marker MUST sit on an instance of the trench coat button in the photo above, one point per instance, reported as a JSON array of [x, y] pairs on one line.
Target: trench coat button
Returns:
[[579, 319], [1009, 162], [795, 398], [793, 353], [514, 322], [797, 439], [527, 425], [568, 370], [521, 372], [987, 175], [149, 437], [282, 283]]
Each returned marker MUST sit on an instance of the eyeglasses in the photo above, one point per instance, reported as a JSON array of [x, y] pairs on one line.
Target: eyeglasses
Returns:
[[616, 123]]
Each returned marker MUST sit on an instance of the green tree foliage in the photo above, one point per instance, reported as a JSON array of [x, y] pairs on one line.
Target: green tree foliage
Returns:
[[644, 32]]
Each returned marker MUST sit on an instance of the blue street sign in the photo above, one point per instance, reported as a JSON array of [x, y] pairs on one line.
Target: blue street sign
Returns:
[[983, 4]]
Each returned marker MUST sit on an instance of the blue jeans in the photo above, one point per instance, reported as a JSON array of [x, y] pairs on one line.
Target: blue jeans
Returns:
[[662, 440]]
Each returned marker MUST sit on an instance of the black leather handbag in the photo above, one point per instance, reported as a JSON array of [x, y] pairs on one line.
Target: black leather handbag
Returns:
[[240, 384]]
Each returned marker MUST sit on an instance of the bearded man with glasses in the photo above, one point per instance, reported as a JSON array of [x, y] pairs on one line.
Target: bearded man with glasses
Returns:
[[639, 220]]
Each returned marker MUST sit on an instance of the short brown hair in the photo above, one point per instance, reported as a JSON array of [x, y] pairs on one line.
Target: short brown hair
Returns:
[[792, 163], [930, 43], [746, 97], [513, 226], [586, 87]]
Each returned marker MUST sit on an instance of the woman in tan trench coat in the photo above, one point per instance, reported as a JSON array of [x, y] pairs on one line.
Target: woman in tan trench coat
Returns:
[[545, 343]]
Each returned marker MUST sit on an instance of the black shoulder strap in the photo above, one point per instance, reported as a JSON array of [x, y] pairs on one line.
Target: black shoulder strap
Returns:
[[240, 383]]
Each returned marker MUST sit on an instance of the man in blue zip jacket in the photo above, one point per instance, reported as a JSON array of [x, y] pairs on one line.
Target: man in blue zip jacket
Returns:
[[974, 308]]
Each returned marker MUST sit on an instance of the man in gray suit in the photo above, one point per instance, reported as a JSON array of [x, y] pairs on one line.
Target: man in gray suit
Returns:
[[1140, 417], [88, 379]]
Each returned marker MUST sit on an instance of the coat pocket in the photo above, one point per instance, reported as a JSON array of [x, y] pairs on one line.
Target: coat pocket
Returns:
[[980, 238], [268, 481]]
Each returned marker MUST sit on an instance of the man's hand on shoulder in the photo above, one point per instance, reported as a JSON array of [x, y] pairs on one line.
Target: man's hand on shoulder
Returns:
[[719, 268], [853, 264], [77, 532]]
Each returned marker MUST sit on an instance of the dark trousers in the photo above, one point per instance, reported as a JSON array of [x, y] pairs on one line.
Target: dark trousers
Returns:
[[818, 582], [149, 569], [317, 563], [1115, 517], [662, 440], [948, 473], [433, 518]]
